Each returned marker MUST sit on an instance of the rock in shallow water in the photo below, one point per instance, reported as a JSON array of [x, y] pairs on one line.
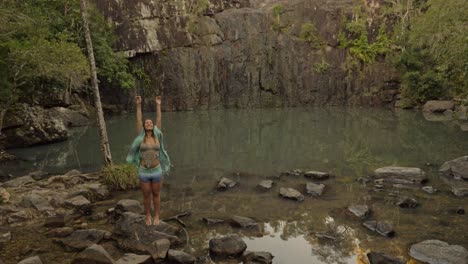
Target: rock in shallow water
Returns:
[[265, 184], [456, 168], [314, 189], [225, 184], [437, 252], [257, 257], [407, 202], [382, 258], [317, 175], [227, 246], [244, 222], [360, 210], [180, 257], [460, 192], [383, 228], [429, 189], [401, 175], [291, 193]]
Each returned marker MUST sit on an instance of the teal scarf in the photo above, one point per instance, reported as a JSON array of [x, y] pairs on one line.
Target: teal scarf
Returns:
[[134, 157]]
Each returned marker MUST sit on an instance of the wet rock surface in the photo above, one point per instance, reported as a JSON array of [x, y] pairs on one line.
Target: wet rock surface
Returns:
[[225, 184], [360, 210], [382, 258], [257, 257], [226, 246], [265, 184], [456, 168], [317, 175], [290, 193], [313, 189], [244, 222], [81, 239], [93, 254], [436, 251], [401, 175], [383, 228], [407, 202], [180, 257]]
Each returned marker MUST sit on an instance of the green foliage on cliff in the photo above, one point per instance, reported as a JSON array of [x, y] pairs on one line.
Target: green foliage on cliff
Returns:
[[355, 38], [201, 6], [278, 10], [321, 67], [121, 177], [309, 33], [42, 48], [434, 52]]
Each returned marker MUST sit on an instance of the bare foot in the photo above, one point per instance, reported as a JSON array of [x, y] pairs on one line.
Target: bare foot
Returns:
[[156, 220], [148, 220]]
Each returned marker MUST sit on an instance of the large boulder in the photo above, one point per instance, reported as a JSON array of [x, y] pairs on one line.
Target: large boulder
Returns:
[[133, 235], [81, 239], [26, 126], [456, 168], [439, 252], [227, 246], [401, 175], [438, 106], [94, 254]]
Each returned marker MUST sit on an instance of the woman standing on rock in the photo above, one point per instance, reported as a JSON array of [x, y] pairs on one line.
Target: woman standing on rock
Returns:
[[148, 153]]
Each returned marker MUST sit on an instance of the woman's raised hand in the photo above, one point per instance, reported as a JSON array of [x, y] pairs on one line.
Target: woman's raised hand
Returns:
[[138, 100], [158, 99]]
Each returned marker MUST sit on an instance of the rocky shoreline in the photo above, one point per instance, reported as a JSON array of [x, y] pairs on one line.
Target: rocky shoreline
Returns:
[[62, 208]]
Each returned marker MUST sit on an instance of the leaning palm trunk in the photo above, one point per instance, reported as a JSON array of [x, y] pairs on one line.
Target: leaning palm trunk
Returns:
[[97, 99]]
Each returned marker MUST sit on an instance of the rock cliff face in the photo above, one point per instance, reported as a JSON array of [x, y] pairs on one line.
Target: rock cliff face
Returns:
[[202, 54]]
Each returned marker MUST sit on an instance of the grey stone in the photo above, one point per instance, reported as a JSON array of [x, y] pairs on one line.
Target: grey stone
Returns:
[[407, 202], [158, 249], [460, 192], [180, 257], [438, 106], [456, 168], [81, 239], [439, 252], [18, 182], [37, 201], [265, 184], [231, 245], [31, 260], [429, 189], [360, 210], [94, 254], [77, 202], [130, 258], [225, 184], [383, 228], [317, 175], [382, 258], [244, 222], [257, 257], [127, 205], [294, 172], [38, 175], [314, 189], [401, 175], [291, 193]]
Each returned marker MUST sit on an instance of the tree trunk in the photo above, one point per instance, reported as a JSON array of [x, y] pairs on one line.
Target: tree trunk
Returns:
[[2, 116], [94, 82]]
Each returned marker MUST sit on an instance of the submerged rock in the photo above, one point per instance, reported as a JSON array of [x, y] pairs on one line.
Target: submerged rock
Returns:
[[456, 168], [265, 184], [407, 202], [314, 189], [227, 246], [257, 257], [225, 184], [31, 260], [436, 252], [130, 258], [180, 257], [244, 222], [291, 193], [383, 228], [93, 254], [360, 210], [382, 258], [401, 175], [317, 175]]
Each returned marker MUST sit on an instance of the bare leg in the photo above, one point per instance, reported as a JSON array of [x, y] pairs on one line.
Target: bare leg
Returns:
[[146, 188], [156, 188]]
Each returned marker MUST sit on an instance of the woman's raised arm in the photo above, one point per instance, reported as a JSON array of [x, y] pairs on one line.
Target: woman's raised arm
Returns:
[[158, 112], [139, 121]]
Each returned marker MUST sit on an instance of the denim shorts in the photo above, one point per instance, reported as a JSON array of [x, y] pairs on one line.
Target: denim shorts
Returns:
[[150, 175]]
